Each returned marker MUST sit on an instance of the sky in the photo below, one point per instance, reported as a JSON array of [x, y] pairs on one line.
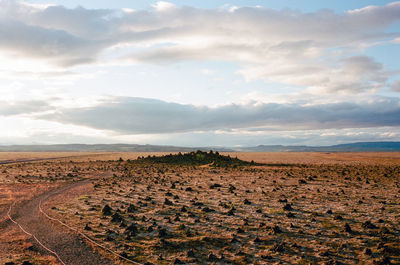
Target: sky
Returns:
[[199, 73]]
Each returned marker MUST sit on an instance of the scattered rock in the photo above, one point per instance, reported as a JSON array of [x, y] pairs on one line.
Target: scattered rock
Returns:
[[208, 210], [369, 225], [131, 208], [212, 258], [162, 232], [116, 218], [178, 261], [216, 185], [287, 207], [168, 202], [190, 254], [276, 230], [347, 228], [107, 210], [279, 247], [230, 212], [368, 251]]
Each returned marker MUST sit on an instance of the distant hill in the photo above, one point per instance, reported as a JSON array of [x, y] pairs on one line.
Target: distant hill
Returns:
[[351, 147], [105, 148]]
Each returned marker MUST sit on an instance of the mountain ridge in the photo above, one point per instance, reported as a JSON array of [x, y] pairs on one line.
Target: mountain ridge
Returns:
[[386, 146], [348, 147]]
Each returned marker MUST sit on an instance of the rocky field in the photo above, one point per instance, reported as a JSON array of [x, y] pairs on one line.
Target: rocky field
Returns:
[[226, 211]]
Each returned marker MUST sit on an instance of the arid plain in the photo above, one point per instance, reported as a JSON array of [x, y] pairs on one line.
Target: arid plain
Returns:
[[292, 208]]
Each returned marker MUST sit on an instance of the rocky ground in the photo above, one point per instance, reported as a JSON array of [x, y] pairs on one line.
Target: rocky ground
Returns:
[[291, 213], [158, 212]]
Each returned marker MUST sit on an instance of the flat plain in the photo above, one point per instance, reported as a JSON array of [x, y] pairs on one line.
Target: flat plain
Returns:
[[285, 208]]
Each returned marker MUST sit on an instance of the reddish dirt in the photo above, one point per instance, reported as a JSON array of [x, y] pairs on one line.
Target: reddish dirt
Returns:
[[343, 210], [70, 247]]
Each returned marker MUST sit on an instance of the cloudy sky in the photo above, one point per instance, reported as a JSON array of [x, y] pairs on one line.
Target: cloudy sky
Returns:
[[199, 73]]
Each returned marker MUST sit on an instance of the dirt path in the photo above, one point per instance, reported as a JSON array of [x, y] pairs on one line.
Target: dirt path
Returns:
[[71, 249]]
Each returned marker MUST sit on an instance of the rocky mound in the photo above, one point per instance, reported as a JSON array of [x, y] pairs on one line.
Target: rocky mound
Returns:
[[198, 158]]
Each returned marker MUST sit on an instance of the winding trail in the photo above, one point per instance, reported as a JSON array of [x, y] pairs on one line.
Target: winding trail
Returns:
[[70, 249]]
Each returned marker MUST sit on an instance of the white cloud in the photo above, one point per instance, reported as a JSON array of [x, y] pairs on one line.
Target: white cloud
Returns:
[[311, 63], [140, 120], [396, 86], [8, 108], [287, 46], [163, 6], [208, 71]]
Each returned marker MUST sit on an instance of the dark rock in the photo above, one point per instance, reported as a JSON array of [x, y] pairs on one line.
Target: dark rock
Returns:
[[338, 217], [368, 251], [208, 210], [162, 232], [131, 230], [240, 230], [131, 208], [347, 228], [277, 230], [384, 230], [190, 254], [287, 207], [178, 261], [326, 253], [107, 210], [369, 225], [235, 240], [279, 247], [109, 237], [257, 240], [268, 257], [212, 257], [216, 185], [116, 218], [168, 202], [290, 215]]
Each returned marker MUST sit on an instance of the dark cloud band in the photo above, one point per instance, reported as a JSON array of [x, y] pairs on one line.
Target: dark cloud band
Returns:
[[128, 115]]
